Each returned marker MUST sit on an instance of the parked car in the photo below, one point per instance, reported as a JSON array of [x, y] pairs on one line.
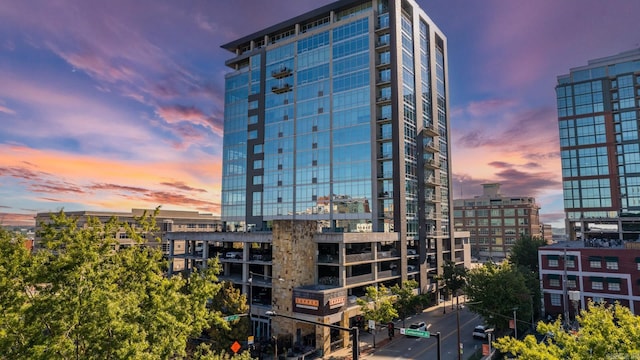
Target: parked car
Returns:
[[418, 326], [233, 255], [480, 332]]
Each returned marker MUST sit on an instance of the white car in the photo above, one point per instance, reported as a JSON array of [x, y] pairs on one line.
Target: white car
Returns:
[[418, 326], [480, 332]]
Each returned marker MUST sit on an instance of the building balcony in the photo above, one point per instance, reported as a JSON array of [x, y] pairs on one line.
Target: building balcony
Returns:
[[431, 180], [383, 99], [386, 194], [431, 130], [431, 147], [281, 73], [432, 163], [281, 89], [380, 45]]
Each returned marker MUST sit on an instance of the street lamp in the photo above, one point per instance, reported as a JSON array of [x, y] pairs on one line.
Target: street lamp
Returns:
[[355, 351]]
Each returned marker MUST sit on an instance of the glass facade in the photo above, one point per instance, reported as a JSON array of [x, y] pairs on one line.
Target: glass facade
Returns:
[[598, 128], [341, 119]]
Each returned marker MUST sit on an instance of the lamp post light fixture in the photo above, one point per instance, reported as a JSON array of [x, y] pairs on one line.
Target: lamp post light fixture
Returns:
[[355, 351]]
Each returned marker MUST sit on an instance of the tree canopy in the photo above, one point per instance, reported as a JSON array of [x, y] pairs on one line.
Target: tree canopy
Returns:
[[524, 252], [604, 332], [378, 305], [493, 292], [406, 300], [229, 301], [78, 297]]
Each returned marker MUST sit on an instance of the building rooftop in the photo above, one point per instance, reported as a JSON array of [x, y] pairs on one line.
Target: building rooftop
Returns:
[[589, 243]]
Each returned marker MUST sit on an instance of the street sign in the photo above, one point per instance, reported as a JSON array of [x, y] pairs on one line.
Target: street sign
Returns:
[[235, 347], [413, 332], [231, 317], [250, 340], [372, 324]]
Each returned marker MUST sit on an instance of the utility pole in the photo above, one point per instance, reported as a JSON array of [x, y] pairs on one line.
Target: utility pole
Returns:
[[437, 335], [515, 323], [458, 323]]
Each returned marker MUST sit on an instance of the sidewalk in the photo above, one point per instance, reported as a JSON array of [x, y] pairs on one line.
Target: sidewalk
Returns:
[[382, 340]]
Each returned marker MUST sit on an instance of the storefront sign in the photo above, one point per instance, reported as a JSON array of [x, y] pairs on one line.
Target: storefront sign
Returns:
[[307, 303]]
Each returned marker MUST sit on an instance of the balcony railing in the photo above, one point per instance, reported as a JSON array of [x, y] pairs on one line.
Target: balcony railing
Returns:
[[328, 259], [431, 129], [387, 274], [358, 257], [432, 163], [359, 279], [281, 73], [281, 89]]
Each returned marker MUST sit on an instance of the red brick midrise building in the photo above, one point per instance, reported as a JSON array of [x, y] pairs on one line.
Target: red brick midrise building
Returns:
[[594, 269]]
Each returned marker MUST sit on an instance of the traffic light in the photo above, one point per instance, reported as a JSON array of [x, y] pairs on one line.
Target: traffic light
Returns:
[[391, 329]]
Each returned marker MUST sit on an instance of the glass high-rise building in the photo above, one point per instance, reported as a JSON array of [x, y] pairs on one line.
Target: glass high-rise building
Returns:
[[340, 116], [598, 120]]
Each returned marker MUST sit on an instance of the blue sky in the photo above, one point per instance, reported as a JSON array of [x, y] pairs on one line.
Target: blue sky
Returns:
[[119, 104]]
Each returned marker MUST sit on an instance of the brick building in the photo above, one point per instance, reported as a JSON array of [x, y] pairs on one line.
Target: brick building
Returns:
[[496, 221], [574, 272]]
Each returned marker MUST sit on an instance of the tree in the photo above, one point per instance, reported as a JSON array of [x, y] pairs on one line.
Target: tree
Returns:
[[406, 299], [524, 252], [524, 256], [229, 301], [605, 332], [79, 298], [454, 277], [378, 305], [495, 290]]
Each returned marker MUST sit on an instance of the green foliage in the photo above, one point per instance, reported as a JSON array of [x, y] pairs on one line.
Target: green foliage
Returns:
[[454, 277], [525, 252], [605, 332], [205, 353], [379, 305], [494, 290], [407, 301], [229, 301], [524, 256], [80, 298]]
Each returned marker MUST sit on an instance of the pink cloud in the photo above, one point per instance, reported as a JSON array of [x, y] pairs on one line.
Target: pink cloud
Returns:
[[178, 113], [6, 110]]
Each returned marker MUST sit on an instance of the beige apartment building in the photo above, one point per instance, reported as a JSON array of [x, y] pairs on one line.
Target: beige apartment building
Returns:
[[166, 220], [496, 221]]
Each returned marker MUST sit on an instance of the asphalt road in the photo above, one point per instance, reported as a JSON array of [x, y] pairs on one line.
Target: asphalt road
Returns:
[[404, 347]]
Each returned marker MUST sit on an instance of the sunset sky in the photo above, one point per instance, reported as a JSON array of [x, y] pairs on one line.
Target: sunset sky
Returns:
[[113, 105]]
